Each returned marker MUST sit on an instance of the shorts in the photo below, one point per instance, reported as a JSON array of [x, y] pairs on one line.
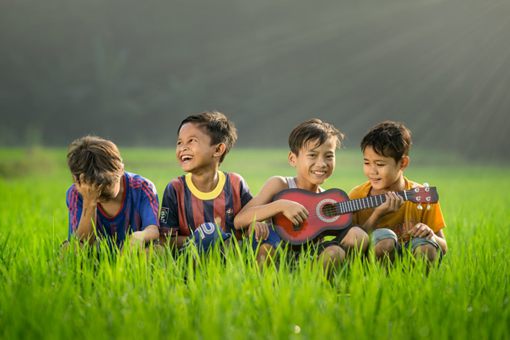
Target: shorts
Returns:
[[273, 239], [384, 233]]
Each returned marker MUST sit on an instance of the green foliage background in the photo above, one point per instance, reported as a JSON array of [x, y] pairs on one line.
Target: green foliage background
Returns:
[[46, 295]]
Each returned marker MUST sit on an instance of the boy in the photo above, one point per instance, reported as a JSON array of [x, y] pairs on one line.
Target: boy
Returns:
[[394, 223], [205, 196], [313, 145], [105, 197]]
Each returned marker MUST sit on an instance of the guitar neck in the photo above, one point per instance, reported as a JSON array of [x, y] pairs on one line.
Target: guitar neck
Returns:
[[366, 202]]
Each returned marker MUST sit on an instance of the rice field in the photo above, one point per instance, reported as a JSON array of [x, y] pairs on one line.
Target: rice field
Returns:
[[48, 294]]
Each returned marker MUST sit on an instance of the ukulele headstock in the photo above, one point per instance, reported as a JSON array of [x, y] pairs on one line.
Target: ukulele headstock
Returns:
[[422, 195]]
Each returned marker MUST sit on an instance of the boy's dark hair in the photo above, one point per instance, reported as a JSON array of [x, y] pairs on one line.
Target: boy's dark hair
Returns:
[[389, 139], [311, 130], [217, 126], [96, 158]]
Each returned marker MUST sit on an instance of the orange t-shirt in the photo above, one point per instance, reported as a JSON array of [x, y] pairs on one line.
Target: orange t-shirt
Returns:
[[399, 221]]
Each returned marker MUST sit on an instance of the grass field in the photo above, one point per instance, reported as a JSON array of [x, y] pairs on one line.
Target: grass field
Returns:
[[46, 295]]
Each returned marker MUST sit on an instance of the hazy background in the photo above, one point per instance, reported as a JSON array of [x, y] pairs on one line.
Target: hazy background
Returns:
[[132, 70]]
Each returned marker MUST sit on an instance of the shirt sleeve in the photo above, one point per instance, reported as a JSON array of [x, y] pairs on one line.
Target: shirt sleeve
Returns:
[[434, 217], [169, 215], [74, 205], [149, 205], [244, 191]]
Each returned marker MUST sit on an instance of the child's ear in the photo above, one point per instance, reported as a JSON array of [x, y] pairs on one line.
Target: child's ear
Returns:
[[404, 162], [292, 159], [220, 150]]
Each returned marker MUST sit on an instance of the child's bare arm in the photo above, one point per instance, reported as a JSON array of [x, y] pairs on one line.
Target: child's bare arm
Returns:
[[261, 207], [424, 231], [167, 237], [150, 233], [90, 194], [441, 240], [393, 203]]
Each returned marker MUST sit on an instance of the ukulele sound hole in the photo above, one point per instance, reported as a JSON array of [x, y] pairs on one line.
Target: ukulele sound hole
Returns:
[[329, 210]]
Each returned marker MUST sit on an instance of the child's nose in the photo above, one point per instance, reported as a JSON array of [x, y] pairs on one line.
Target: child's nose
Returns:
[[321, 161]]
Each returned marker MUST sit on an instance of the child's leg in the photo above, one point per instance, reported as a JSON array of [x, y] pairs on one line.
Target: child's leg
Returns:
[[266, 249], [425, 248], [385, 243], [331, 255], [265, 252], [356, 238]]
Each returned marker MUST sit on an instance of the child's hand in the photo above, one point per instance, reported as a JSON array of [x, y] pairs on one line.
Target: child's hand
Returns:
[[137, 239], [421, 230], [295, 212], [89, 191], [261, 231], [393, 203]]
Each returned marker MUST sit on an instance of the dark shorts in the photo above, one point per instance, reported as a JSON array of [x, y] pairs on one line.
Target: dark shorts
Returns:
[[384, 233], [273, 239], [316, 247]]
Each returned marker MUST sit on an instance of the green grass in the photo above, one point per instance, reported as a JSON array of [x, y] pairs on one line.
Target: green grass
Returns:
[[45, 294]]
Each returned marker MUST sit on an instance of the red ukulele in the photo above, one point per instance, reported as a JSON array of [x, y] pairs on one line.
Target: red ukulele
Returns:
[[331, 210]]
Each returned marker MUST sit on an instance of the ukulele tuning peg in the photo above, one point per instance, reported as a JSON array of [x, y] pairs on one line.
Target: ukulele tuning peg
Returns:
[[426, 185], [419, 207]]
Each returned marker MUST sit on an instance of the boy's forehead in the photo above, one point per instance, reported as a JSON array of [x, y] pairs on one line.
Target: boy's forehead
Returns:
[[370, 152], [192, 129], [314, 144]]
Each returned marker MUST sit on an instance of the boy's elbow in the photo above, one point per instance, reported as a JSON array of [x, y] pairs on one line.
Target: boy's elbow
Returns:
[[238, 225]]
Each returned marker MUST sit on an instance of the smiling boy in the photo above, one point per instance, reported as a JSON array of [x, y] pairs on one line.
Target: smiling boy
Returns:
[[205, 195], [313, 145], [395, 224]]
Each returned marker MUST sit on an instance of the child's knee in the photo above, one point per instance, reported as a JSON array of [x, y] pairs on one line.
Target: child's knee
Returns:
[[427, 251], [356, 238], [333, 254], [384, 247]]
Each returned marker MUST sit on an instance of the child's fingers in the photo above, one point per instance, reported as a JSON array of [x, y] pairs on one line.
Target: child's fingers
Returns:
[[421, 230], [264, 231]]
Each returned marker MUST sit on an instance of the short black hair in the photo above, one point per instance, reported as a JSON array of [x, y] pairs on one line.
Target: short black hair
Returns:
[[217, 126], [389, 139], [310, 130]]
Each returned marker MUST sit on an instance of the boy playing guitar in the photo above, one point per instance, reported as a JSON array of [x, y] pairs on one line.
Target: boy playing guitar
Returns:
[[313, 145]]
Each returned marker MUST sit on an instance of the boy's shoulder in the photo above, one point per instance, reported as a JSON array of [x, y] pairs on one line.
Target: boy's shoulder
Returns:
[[409, 184], [360, 191], [233, 176], [73, 196], [138, 182]]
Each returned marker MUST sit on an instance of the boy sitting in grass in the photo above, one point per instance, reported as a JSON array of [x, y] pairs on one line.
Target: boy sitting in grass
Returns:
[[105, 200], [395, 224], [193, 204], [313, 145]]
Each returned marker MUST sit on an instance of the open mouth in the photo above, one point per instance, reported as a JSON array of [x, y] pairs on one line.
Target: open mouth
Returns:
[[319, 173]]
